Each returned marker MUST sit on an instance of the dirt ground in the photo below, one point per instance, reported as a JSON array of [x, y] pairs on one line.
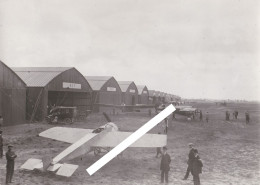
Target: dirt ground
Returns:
[[230, 150]]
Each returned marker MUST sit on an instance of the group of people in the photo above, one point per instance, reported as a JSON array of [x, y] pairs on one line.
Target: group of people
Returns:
[[235, 116], [10, 157], [194, 164], [201, 116]]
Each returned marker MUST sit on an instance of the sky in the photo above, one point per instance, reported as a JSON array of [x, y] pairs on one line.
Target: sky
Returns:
[[191, 48]]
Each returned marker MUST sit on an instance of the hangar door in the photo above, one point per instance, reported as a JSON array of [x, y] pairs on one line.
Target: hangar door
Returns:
[[81, 100]]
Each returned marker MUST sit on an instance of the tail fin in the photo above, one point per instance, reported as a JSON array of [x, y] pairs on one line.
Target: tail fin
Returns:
[[67, 170], [32, 164], [46, 161]]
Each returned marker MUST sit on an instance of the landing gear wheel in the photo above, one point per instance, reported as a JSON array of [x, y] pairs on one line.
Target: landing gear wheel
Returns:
[[67, 121]]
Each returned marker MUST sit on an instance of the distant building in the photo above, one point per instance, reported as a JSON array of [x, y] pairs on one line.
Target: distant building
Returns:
[[129, 93], [12, 96], [53, 86], [106, 93], [143, 94], [152, 97]]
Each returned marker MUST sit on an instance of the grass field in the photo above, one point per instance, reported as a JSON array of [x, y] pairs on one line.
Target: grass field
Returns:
[[230, 150]]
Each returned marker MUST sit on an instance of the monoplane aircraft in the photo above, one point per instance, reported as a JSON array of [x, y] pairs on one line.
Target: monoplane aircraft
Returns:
[[188, 111], [84, 141]]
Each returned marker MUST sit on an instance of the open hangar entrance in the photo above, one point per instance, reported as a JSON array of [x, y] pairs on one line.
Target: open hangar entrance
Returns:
[[143, 94], [54, 86], [129, 94]]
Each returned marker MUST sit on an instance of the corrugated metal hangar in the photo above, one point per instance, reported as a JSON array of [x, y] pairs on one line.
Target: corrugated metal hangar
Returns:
[[12, 96], [53, 86], [143, 94], [106, 93], [152, 98], [129, 93]]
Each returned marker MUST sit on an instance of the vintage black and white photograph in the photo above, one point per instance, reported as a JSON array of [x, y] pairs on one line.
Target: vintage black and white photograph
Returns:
[[129, 92]]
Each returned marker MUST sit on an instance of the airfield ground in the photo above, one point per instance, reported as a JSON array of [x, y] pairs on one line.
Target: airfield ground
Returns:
[[230, 150]]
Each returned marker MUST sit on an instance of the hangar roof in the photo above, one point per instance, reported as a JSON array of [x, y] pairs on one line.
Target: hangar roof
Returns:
[[124, 85], [151, 92], [97, 82], [140, 88], [38, 76]]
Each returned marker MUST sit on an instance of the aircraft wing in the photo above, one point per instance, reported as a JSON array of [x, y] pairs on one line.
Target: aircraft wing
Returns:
[[189, 109], [65, 134], [112, 139]]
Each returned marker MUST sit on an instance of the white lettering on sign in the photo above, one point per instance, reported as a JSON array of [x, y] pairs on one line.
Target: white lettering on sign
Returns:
[[111, 89], [145, 92], [132, 91], [71, 85]]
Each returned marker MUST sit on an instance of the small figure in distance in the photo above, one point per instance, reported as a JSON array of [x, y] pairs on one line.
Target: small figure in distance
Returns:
[[207, 117], [166, 121], [1, 121], [247, 117], [201, 116], [1, 144], [158, 150]]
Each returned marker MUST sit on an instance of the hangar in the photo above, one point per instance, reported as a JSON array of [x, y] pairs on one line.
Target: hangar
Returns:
[[158, 97], [152, 97], [106, 93], [162, 96], [12, 96], [53, 86], [167, 98], [143, 94], [129, 93]]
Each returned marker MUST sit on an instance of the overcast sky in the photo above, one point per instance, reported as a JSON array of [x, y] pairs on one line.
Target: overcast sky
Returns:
[[191, 48]]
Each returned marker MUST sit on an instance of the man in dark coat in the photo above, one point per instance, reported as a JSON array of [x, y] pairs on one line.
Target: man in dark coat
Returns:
[[1, 144], [10, 156], [201, 117], [165, 165], [158, 150], [190, 161], [196, 168], [247, 117]]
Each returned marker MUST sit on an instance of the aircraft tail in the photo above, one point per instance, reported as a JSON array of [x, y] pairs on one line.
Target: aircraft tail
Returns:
[[32, 164], [65, 169]]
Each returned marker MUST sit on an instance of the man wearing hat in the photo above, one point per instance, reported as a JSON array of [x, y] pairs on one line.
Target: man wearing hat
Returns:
[[10, 156], [196, 167], [1, 144], [190, 161], [165, 165]]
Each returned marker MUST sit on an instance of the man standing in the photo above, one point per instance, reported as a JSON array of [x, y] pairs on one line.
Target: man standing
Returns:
[[1, 121], [201, 117], [190, 161], [166, 121], [196, 168], [158, 150], [1, 144], [247, 117], [10, 156], [207, 117], [165, 165], [236, 114], [227, 115]]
